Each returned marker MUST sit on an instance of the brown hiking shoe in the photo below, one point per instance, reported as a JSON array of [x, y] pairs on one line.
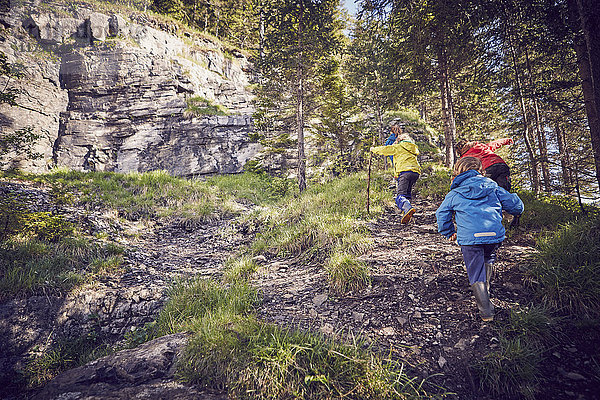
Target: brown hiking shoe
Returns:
[[407, 216]]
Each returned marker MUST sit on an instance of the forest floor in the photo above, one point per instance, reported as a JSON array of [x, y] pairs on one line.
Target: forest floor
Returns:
[[418, 310]]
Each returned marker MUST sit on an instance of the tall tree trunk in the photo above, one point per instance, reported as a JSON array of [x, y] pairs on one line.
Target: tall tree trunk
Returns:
[[533, 167], [261, 33], [539, 133], [447, 111], [379, 113], [423, 110], [585, 21], [565, 161], [300, 107]]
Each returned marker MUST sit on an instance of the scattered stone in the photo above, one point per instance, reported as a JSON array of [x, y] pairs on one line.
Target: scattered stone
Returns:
[[442, 361], [461, 344], [358, 316], [327, 329], [574, 376], [387, 331], [417, 314], [401, 320], [319, 299]]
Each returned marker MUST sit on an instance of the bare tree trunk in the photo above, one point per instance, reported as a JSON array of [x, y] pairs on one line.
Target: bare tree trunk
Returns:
[[533, 167], [447, 111], [585, 16], [300, 108], [423, 111], [261, 33], [565, 161], [541, 137]]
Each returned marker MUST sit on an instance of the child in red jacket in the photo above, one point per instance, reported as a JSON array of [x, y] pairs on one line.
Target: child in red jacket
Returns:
[[494, 166]]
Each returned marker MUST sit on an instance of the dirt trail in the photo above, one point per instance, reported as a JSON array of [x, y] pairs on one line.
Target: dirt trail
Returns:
[[419, 308]]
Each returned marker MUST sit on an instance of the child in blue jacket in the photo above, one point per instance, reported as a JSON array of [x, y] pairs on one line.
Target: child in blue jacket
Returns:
[[476, 202]]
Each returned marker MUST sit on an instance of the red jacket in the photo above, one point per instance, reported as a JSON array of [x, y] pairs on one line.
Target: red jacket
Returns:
[[485, 152]]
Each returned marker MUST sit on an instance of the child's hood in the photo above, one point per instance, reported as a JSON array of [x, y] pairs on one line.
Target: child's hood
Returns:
[[471, 185], [409, 146]]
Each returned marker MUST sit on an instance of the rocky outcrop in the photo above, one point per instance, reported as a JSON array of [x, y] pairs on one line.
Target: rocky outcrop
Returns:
[[145, 372], [109, 94]]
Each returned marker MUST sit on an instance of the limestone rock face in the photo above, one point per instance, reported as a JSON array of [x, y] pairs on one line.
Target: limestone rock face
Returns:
[[109, 94]]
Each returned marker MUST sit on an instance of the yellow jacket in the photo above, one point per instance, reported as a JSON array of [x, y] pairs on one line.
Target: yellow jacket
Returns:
[[405, 156]]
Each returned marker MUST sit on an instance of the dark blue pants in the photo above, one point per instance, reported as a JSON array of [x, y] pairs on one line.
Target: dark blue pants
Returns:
[[476, 256], [404, 184]]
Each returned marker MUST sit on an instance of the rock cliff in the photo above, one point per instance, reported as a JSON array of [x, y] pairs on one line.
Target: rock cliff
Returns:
[[109, 92]]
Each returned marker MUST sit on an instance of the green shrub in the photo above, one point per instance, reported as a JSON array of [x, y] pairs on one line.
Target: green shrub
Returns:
[[548, 212], [12, 212], [567, 268], [434, 182], [199, 106], [141, 335], [45, 226]]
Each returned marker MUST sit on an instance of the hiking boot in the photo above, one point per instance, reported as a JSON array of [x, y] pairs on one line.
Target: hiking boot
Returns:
[[407, 216], [482, 298]]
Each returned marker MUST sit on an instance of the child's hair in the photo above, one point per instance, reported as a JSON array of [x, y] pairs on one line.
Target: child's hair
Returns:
[[462, 146], [397, 129], [467, 163]]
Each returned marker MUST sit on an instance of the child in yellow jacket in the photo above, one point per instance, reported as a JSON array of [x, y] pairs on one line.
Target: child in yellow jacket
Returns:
[[406, 169]]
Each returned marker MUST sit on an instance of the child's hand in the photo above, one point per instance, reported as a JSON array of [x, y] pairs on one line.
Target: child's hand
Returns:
[[452, 237]]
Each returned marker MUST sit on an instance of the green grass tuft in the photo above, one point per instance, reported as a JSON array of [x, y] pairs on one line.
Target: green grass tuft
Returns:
[[199, 106], [511, 370], [346, 273], [567, 268], [67, 353], [549, 212], [239, 269], [193, 299], [29, 266], [232, 351]]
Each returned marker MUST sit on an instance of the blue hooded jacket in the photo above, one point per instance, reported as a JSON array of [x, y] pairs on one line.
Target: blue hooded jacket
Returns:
[[390, 140], [477, 203]]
